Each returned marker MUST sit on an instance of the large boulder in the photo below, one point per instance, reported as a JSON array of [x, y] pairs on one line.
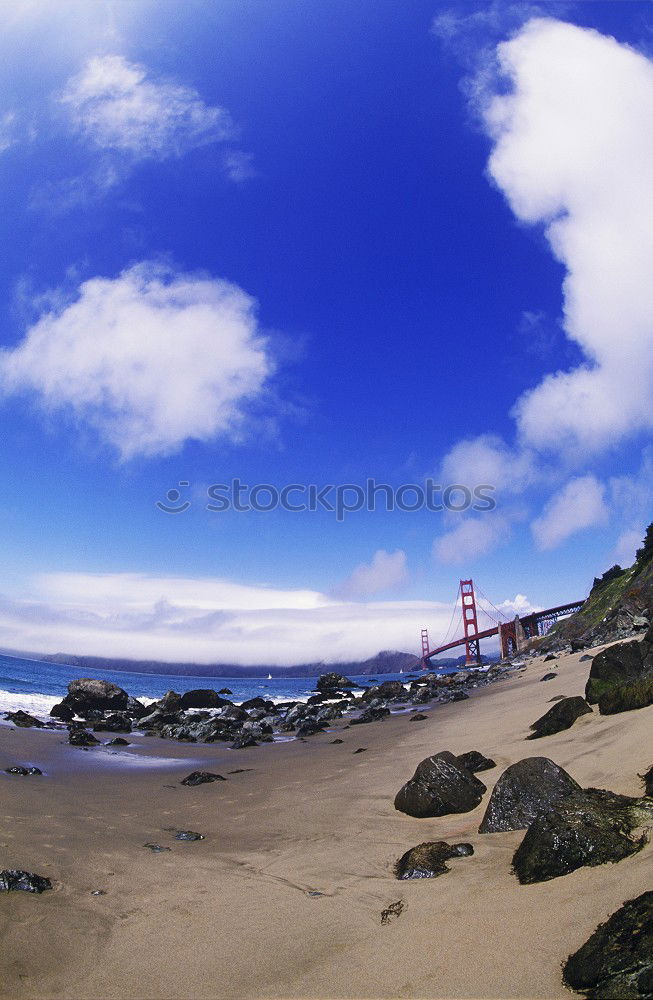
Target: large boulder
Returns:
[[560, 716], [617, 960], [589, 827], [333, 682], [621, 677], [88, 693], [439, 786], [525, 789], [203, 698], [428, 860]]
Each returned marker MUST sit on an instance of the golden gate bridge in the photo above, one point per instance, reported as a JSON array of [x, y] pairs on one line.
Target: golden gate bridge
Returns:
[[513, 633]]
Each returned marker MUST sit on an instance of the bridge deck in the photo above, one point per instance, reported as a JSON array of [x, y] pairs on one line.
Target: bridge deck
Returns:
[[535, 616]]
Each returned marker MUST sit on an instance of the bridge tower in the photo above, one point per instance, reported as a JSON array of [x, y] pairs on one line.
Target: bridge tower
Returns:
[[425, 648], [470, 624]]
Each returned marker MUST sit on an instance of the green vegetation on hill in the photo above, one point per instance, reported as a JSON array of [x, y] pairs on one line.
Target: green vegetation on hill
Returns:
[[614, 600]]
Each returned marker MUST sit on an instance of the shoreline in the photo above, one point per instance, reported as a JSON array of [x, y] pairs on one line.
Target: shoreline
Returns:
[[283, 897]]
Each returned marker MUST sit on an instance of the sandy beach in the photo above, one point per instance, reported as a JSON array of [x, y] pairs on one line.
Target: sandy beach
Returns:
[[283, 897]]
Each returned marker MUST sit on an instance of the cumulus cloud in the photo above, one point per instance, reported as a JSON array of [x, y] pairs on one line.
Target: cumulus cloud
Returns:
[[149, 359], [387, 571], [471, 538], [117, 105], [487, 460], [206, 621], [573, 151], [578, 505]]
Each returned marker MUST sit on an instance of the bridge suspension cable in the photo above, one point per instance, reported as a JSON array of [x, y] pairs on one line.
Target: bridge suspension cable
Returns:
[[455, 608], [503, 617]]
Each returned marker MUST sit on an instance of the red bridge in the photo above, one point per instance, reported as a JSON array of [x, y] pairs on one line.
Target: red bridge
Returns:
[[513, 633]]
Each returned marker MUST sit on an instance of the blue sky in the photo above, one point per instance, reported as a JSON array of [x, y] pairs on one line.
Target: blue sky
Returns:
[[317, 243]]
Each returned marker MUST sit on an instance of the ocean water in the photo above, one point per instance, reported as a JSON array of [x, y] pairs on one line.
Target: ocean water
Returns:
[[36, 685]]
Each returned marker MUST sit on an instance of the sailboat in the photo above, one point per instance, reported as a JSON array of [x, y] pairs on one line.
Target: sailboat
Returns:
[[269, 677]]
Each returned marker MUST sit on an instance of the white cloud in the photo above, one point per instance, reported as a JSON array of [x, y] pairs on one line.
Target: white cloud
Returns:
[[573, 149], [487, 460], [518, 605], [471, 538], [149, 359], [387, 571], [626, 547], [116, 105], [578, 505], [206, 621]]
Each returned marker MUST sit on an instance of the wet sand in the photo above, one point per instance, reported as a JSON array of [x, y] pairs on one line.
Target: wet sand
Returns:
[[233, 915]]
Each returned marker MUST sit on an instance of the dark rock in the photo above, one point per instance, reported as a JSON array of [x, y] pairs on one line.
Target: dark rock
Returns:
[[225, 691], [428, 860], [617, 960], [371, 714], [585, 658], [550, 656], [474, 761], [118, 742], [557, 697], [577, 645], [114, 723], [560, 716], [257, 703], [388, 689], [589, 827], [244, 740], [201, 778], [19, 769], [88, 693], [524, 790], [439, 786], [82, 738], [337, 741], [12, 880], [62, 711], [621, 677], [156, 848], [647, 778], [309, 727], [333, 681], [361, 750], [419, 717], [171, 702], [548, 677], [23, 720], [136, 709], [202, 698], [188, 835], [458, 696], [233, 713]]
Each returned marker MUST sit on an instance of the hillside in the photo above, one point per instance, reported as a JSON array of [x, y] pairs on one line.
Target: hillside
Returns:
[[616, 601], [385, 662]]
